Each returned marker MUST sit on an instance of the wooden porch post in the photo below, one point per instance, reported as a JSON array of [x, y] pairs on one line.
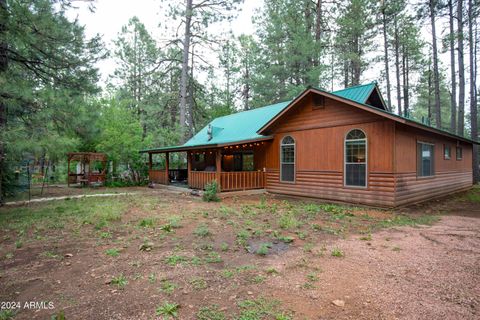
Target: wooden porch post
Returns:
[[150, 165], [167, 162], [189, 167], [218, 167], [68, 172]]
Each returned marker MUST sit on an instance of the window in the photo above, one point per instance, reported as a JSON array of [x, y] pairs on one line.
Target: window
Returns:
[[318, 102], [459, 153], [199, 157], [447, 152], [356, 159], [247, 163], [243, 161], [287, 159], [425, 159]]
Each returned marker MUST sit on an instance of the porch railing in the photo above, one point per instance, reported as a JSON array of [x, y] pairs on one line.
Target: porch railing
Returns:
[[198, 179], [158, 176], [242, 180], [229, 181]]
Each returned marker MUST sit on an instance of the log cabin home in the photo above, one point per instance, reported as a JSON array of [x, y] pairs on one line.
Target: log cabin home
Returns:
[[341, 146]]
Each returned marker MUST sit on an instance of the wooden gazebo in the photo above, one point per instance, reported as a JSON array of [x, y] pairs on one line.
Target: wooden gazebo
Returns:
[[87, 172]]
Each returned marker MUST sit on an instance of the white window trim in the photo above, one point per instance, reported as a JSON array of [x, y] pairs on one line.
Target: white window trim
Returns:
[[294, 159], [345, 160]]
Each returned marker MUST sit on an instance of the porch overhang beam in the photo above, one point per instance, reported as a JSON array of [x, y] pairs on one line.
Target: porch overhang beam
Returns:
[[205, 146]]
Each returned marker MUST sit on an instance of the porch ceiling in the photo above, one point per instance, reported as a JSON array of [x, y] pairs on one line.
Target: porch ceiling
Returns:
[[183, 148]]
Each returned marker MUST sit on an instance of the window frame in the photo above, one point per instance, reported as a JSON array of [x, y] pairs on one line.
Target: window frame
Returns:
[[294, 144], [432, 160], [345, 159], [461, 153], [445, 146]]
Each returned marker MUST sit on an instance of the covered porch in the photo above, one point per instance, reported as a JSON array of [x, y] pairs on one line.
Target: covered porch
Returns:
[[235, 167]]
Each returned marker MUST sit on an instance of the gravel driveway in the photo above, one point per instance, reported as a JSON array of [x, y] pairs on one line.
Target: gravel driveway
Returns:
[[430, 272]]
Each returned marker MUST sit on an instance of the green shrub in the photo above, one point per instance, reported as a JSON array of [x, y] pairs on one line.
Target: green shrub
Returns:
[[210, 193]]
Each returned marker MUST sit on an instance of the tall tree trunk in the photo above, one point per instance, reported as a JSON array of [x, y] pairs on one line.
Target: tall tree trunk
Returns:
[[318, 29], [473, 92], [3, 107], [318, 20], [191, 100], [453, 97], [406, 87], [185, 69], [345, 73], [385, 46], [429, 114], [397, 66], [356, 64], [461, 71], [173, 106], [246, 86], [436, 75]]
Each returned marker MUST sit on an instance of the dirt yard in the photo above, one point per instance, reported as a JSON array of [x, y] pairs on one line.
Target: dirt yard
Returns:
[[160, 254]]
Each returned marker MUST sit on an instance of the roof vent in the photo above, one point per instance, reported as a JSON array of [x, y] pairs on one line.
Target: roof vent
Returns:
[[210, 132]]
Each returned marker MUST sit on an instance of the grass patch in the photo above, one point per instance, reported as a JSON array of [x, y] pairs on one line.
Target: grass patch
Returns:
[[105, 235], [288, 221], [147, 223], [7, 314], [336, 252], [473, 195], [119, 281], [57, 214], [174, 259], [312, 277], [264, 249], [50, 255], [167, 286], [224, 246], [202, 230], [258, 279], [242, 237], [198, 283], [261, 309], [18, 243], [213, 257], [152, 278], [210, 313], [407, 220], [167, 310], [114, 252]]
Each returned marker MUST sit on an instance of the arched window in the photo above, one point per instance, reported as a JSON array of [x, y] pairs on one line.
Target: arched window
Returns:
[[356, 158], [287, 159]]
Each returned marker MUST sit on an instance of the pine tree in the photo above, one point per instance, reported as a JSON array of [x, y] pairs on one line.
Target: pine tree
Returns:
[[291, 46], [44, 59], [354, 38], [195, 18], [138, 59]]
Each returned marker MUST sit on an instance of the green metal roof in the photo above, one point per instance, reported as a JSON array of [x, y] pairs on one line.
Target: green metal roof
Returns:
[[238, 126], [358, 94], [243, 126]]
